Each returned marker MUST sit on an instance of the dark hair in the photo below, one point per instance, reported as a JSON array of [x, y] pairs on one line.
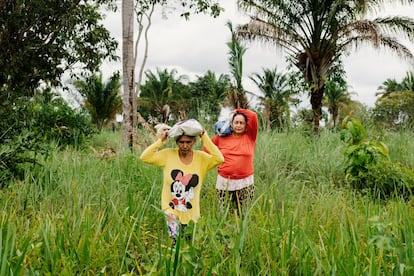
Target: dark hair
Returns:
[[239, 113], [179, 137]]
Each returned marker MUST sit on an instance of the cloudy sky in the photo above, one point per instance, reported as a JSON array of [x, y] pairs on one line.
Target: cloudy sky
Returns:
[[195, 46]]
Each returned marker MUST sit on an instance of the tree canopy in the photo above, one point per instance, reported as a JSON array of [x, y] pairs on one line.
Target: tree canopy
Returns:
[[40, 40]]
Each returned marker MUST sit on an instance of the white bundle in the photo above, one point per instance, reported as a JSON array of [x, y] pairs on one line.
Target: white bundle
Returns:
[[190, 127]]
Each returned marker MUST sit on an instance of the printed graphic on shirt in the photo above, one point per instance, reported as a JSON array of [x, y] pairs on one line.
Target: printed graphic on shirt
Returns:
[[182, 190]]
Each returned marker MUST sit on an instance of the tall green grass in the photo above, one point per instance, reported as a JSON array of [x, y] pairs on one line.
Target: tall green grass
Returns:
[[83, 214]]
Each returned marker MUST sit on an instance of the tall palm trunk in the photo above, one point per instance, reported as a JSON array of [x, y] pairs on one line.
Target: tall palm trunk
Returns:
[[267, 113], [334, 111], [316, 103], [129, 108]]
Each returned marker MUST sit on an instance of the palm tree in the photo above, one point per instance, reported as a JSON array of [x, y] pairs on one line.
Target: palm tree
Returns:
[[387, 87], [209, 94], [276, 95], [162, 93], [336, 95], [102, 100], [391, 85], [407, 83], [237, 94], [315, 34]]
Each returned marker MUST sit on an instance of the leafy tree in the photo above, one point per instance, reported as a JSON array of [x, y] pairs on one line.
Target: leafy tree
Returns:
[[303, 119], [40, 40], [356, 108], [237, 94], [316, 34], [395, 110], [277, 95], [102, 100], [52, 119]]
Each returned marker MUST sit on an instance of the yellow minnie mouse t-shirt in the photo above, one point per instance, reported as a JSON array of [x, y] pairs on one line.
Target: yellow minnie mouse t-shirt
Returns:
[[182, 183]]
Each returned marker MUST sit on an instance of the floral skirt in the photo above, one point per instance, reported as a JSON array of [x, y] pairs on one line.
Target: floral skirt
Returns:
[[235, 199]]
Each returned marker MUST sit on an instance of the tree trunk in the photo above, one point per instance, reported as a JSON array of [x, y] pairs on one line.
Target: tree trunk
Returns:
[[316, 102], [335, 116], [267, 113], [129, 101]]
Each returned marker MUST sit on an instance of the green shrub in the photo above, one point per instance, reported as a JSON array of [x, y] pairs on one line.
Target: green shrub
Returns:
[[368, 166], [14, 156], [58, 122], [29, 126]]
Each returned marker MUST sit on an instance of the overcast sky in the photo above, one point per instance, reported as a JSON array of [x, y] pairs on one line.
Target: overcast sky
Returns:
[[193, 47]]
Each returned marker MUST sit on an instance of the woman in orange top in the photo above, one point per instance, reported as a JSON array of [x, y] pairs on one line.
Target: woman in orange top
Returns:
[[235, 175]]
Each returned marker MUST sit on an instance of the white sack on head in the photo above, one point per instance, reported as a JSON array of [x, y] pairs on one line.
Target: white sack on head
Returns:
[[160, 129], [190, 127]]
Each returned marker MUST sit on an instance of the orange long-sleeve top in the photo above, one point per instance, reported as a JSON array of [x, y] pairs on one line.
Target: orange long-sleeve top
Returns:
[[238, 151]]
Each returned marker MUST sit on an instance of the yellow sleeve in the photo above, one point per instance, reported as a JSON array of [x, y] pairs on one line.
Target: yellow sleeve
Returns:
[[216, 155], [152, 154]]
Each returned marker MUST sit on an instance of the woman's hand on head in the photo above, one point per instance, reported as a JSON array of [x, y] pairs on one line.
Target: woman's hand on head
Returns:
[[164, 135], [162, 131]]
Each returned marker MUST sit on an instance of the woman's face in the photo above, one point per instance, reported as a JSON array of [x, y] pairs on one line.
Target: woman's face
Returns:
[[185, 144], [239, 124]]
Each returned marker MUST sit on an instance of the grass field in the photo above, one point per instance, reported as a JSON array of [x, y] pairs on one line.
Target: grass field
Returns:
[[81, 213]]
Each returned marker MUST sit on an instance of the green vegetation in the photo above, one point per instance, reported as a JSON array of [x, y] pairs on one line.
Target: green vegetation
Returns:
[[102, 99], [41, 40], [85, 212], [368, 166], [76, 202], [29, 126], [394, 108]]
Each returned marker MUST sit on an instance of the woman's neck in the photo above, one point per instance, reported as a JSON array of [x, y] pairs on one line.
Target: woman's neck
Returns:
[[186, 157]]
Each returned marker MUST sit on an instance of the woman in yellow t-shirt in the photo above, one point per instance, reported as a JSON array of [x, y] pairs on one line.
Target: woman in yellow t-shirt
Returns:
[[184, 170]]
